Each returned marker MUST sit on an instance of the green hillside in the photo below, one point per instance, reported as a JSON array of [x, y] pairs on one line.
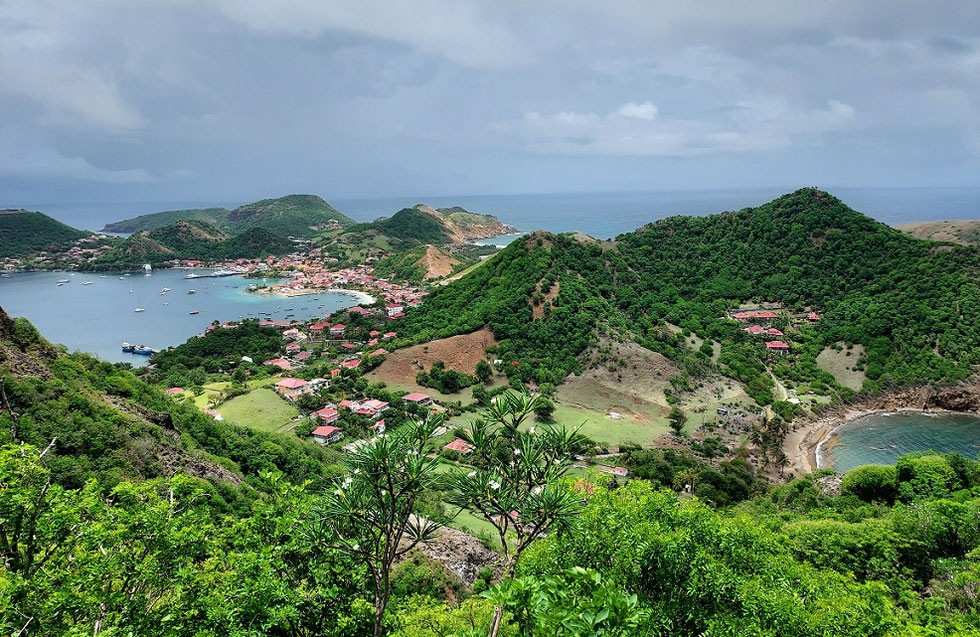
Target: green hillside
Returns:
[[409, 225], [111, 426], [23, 232], [192, 240], [907, 303], [217, 217], [292, 215]]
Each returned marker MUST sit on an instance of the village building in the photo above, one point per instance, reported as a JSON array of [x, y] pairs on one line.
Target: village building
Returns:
[[777, 346], [417, 398], [327, 433], [460, 446], [292, 388]]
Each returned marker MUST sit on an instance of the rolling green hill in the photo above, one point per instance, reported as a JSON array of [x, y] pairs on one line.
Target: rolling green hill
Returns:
[[906, 302], [192, 240], [217, 217], [111, 426], [963, 232], [293, 215], [23, 232]]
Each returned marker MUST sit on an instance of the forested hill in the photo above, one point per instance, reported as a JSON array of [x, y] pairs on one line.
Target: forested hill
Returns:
[[908, 301], [192, 240], [108, 425], [23, 232], [292, 215]]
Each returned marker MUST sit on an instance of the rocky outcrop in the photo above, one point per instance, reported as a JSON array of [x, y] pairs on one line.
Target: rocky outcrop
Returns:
[[461, 554]]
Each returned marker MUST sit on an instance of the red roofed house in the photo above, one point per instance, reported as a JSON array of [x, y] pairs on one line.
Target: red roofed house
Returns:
[[351, 364], [348, 346], [744, 316], [375, 405], [293, 347], [175, 390], [304, 355], [461, 446], [813, 316], [347, 404], [334, 373], [317, 328], [388, 335], [766, 315], [379, 352], [292, 388], [374, 333], [418, 398], [379, 426], [327, 415], [756, 330], [281, 363], [772, 331], [777, 346], [620, 471], [327, 434], [338, 330]]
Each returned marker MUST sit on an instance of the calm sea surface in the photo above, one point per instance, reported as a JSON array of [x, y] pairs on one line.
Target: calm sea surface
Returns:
[[882, 437], [97, 318]]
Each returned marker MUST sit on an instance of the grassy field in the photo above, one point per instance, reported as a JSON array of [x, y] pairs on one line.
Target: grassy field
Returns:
[[261, 409], [841, 365]]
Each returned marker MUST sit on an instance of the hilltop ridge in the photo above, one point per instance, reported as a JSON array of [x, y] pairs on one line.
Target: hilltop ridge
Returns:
[[23, 232], [292, 215]]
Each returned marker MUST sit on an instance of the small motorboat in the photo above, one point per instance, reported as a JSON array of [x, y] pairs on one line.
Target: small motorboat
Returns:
[[142, 350], [126, 347], [87, 283], [192, 291], [139, 309], [194, 312], [63, 280]]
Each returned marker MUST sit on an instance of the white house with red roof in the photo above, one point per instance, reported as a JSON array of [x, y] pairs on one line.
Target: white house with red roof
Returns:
[[327, 415], [281, 363], [292, 388], [417, 398], [338, 330], [777, 346], [326, 434]]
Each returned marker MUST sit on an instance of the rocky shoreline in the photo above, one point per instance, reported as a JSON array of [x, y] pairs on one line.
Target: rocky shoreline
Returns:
[[804, 442]]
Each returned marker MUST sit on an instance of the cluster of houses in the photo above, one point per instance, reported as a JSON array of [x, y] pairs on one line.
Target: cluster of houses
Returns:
[[776, 345], [327, 432]]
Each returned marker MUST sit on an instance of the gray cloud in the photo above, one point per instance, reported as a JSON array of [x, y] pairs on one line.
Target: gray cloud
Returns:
[[228, 99]]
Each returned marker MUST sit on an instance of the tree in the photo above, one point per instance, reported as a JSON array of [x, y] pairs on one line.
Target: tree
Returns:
[[483, 371], [516, 487], [374, 508], [544, 409], [676, 419]]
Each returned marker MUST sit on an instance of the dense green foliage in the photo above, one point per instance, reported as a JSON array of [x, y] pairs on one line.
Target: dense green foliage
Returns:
[[223, 348], [111, 426], [402, 266], [217, 217], [23, 232], [904, 300], [408, 225], [192, 240], [292, 215]]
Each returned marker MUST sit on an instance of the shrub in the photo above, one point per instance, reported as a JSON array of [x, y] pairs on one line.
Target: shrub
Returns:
[[925, 476], [871, 483]]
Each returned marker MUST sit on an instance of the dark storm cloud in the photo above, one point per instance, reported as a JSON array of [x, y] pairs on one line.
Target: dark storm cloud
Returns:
[[231, 99]]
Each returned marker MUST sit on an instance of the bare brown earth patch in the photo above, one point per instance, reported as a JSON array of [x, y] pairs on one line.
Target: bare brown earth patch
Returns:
[[461, 353], [437, 263], [840, 364], [630, 382]]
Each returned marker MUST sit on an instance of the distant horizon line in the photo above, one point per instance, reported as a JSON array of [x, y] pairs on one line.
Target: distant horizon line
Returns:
[[420, 199]]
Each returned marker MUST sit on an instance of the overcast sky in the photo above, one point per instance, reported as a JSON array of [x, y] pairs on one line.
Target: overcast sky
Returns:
[[124, 100]]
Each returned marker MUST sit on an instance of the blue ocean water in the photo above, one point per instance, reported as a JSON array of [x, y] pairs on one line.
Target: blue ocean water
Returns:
[[880, 438], [97, 318], [603, 215]]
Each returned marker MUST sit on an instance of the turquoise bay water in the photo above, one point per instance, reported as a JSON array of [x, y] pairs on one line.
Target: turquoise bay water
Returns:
[[880, 438], [96, 318]]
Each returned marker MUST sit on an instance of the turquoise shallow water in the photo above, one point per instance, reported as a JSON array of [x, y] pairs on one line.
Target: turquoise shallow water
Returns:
[[96, 318], [880, 438]]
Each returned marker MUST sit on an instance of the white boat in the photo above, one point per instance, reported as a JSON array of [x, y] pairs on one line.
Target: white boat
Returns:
[[165, 290], [139, 309], [192, 291], [87, 283], [192, 276], [63, 280]]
